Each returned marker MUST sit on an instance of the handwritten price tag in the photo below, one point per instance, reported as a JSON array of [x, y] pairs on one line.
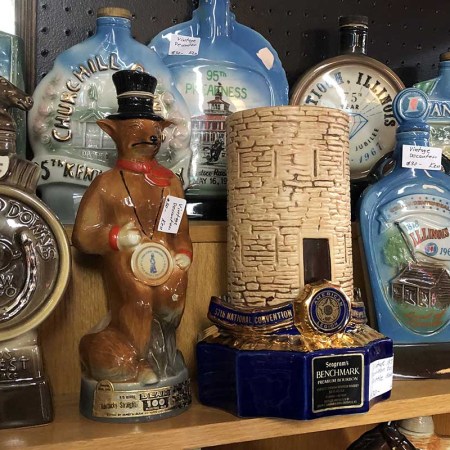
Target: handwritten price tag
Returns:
[[184, 45], [171, 214], [381, 373], [420, 157]]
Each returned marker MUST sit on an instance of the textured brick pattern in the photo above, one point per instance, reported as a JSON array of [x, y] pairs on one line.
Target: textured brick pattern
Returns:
[[288, 179]]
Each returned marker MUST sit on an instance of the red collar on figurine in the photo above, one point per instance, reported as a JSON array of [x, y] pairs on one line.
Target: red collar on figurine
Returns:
[[154, 172]]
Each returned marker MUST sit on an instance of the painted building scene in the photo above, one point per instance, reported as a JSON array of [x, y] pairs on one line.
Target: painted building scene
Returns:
[[87, 134], [208, 131], [422, 285]]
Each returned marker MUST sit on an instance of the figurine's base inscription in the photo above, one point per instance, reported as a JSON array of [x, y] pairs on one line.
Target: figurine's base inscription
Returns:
[[112, 402], [337, 382]]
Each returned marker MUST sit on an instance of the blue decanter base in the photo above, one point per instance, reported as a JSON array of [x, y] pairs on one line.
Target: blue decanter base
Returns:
[[293, 384]]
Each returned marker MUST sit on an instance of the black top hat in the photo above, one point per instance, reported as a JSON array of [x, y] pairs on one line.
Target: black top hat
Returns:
[[135, 94]]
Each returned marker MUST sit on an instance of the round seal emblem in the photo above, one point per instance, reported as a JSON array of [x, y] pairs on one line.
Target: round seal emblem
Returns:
[[152, 263], [329, 310]]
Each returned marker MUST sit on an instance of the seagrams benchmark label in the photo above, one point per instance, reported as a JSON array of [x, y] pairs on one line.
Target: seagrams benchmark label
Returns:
[[337, 382], [109, 403]]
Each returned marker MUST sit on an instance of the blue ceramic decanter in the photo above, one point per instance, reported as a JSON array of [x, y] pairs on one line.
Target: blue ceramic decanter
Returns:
[[68, 145], [220, 67], [438, 91], [405, 229], [12, 67]]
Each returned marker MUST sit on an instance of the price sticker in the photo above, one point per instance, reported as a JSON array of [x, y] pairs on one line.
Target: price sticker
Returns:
[[381, 375], [421, 157], [184, 45], [171, 214]]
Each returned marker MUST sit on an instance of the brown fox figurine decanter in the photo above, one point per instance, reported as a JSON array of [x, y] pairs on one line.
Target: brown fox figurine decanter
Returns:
[[134, 217]]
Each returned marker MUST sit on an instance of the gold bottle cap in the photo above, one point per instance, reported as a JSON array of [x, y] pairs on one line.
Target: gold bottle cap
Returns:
[[444, 56], [112, 11]]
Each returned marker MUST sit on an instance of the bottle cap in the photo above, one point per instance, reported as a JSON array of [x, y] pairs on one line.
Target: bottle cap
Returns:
[[110, 11], [423, 424], [354, 21], [411, 110], [444, 56]]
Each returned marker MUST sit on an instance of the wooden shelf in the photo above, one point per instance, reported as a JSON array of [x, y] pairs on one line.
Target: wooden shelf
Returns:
[[201, 426]]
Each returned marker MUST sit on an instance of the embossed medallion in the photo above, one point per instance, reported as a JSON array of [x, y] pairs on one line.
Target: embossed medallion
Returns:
[[152, 263]]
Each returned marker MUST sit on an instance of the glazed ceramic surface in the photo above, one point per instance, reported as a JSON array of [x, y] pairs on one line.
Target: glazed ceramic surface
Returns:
[[34, 272], [438, 91], [133, 216], [287, 340], [67, 143], [232, 68], [12, 68], [405, 227], [364, 88]]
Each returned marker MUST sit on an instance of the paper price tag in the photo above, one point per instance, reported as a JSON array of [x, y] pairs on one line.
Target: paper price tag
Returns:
[[421, 157], [184, 45], [381, 374], [171, 214]]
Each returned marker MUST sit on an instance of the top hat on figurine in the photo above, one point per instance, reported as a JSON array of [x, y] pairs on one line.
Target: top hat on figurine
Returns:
[[135, 95]]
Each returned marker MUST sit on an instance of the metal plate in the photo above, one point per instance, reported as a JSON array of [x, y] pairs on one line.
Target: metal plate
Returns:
[[34, 262]]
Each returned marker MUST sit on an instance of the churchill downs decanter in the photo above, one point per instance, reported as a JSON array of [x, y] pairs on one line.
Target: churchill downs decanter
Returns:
[[67, 143], [34, 272]]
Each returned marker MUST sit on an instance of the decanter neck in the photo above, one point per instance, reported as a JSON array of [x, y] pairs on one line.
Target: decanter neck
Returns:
[[214, 18], [353, 39], [416, 138], [113, 26]]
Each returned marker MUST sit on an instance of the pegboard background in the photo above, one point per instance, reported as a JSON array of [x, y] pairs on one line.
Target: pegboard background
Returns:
[[407, 35]]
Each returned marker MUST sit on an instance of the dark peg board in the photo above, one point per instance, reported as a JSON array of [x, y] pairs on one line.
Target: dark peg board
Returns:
[[407, 35]]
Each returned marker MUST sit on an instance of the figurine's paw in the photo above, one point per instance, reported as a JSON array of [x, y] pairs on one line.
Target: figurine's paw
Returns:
[[147, 376], [129, 236], [182, 261]]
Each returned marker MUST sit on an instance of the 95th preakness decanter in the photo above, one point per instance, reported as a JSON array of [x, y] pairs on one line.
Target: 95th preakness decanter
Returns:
[[405, 228], [288, 341], [134, 217], [34, 272], [219, 66]]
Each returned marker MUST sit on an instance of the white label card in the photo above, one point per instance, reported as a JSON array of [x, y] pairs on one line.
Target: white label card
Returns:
[[184, 45], [171, 214], [381, 374], [421, 157]]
